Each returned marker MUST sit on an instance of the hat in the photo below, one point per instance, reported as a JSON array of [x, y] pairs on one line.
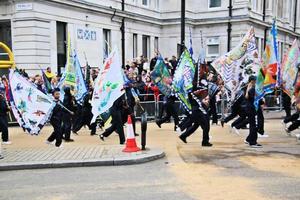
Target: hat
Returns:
[[252, 78], [55, 90]]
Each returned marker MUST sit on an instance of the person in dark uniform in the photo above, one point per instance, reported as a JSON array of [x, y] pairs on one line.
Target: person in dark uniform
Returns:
[[86, 116], [56, 120], [116, 123], [199, 100], [170, 112], [69, 103], [251, 112], [4, 108], [286, 101], [213, 90]]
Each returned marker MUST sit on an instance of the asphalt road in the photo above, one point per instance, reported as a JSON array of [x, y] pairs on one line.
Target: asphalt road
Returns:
[[228, 170]]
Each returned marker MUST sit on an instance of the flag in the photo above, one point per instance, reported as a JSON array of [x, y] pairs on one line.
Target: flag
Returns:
[[183, 79], [289, 68], [108, 86], [276, 53], [31, 107], [78, 86], [162, 77], [46, 82], [191, 45], [236, 66]]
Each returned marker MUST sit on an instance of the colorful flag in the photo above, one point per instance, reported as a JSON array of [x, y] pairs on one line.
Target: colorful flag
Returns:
[[276, 53], [183, 79], [290, 69], [191, 45], [78, 86], [162, 77], [108, 86], [31, 107], [46, 82], [236, 66]]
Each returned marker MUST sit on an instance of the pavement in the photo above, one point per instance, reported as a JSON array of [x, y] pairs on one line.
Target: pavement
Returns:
[[31, 152]]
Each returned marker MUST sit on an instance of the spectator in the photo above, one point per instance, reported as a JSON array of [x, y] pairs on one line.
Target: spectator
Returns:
[[173, 63], [49, 74]]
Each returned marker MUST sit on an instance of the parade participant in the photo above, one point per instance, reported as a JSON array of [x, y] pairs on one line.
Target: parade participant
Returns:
[[56, 120], [116, 123], [286, 101], [49, 74], [251, 140], [199, 100], [85, 116], [4, 108], [170, 112], [213, 89], [261, 120], [69, 103]]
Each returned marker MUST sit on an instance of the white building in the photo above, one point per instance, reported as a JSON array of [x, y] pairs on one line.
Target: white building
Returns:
[[37, 29]]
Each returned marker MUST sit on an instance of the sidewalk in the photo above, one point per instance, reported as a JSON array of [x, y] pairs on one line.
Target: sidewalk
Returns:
[[31, 152]]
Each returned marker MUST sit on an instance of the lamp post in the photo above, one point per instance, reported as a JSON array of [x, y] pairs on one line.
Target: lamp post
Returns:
[[182, 41]]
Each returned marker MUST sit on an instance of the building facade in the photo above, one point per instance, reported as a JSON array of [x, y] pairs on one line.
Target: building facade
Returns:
[[37, 30]]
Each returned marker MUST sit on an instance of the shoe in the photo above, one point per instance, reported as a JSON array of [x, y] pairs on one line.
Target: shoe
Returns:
[[288, 132], [246, 142], [121, 143], [93, 134], [234, 130], [222, 123], [60, 146], [256, 145], [158, 124], [7, 143], [136, 134], [206, 144], [179, 131], [101, 137], [1, 157], [69, 140], [75, 133], [183, 139], [48, 142], [262, 135]]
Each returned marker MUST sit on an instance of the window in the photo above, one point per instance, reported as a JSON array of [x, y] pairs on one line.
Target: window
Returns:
[[156, 44], [213, 46], [254, 2], [145, 2], [61, 38], [146, 46], [214, 3], [156, 4], [213, 49], [106, 42], [134, 45], [291, 10], [280, 9]]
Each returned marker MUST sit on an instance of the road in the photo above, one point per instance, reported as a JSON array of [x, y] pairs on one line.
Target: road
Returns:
[[228, 170]]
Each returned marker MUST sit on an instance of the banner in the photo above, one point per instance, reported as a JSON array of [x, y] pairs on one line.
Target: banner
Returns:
[[162, 77], [78, 86], [108, 85], [289, 68], [183, 79], [236, 66], [31, 107]]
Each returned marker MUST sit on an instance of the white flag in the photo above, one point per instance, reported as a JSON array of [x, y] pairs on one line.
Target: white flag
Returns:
[[108, 85]]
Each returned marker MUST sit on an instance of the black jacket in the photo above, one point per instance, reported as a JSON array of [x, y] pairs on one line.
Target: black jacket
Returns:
[[3, 107]]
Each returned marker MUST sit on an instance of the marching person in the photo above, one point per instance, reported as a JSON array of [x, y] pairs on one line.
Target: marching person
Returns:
[[251, 140], [4, 108], [286, 101], [56, 120], [199, 99], [213, 89], [170, 112], [116, 123], [68, 102]]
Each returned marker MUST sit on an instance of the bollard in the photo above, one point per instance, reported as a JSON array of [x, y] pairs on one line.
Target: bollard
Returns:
[[144, 130]]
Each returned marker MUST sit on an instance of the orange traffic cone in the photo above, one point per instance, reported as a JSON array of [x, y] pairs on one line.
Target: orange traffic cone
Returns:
[[130, 140]]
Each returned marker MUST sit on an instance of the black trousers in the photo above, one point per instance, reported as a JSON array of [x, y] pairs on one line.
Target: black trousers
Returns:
[[170, 112], [240, 121], [185, 123], [198, 119], [287, 108], [4, 128], [260, 121], [56, 134], [116, 125], [66, 127], [294, 125], [291, 118], [213, 110], [252, 137], [233, 114]]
